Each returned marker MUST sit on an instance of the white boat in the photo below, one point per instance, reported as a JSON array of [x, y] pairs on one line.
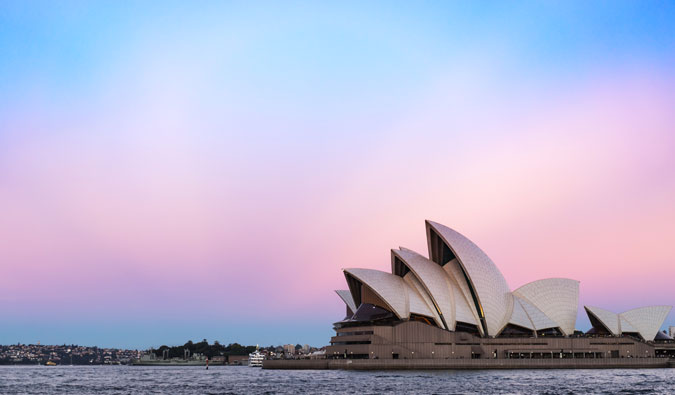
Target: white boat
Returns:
[[255, 359]]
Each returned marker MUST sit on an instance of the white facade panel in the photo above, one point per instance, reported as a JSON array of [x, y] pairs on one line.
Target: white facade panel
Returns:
[[390, 288], [519, 316], [626, 326], [609, 320], [346, 297], [415, 285], [558, 298], [647, 320], [490, 286], [434, 280], [417, 302], [539, 319], [465, 310]]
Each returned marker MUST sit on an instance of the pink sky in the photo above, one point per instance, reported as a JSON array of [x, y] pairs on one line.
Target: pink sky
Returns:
[[231, 187]]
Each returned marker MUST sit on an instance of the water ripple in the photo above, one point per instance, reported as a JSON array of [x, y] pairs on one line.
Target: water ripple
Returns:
[[104, 380]]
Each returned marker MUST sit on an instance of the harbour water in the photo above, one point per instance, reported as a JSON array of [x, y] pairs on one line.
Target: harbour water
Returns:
[[245, 380]]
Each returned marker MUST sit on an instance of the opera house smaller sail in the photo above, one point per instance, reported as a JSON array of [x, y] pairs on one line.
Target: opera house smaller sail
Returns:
[[556, 298], [644, 322], [346, 297], [457, 296]]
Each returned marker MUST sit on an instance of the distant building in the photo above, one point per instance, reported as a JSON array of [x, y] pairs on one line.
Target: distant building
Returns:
[[671, 331], [289, 349], [305, 349]]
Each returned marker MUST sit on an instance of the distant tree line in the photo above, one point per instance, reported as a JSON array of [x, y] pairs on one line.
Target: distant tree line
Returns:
[[203, 347]]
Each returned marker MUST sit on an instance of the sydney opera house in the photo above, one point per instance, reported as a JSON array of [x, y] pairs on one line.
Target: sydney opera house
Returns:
[[455, 305]]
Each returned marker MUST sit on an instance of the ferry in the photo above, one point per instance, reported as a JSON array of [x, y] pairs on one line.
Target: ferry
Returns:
[[255, 359]]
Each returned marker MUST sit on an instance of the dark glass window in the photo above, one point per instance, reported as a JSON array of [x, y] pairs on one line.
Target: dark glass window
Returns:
[[400, 268], [440, 252], [370, 312], [516, 331], [348, 343], [354, 288], [356, 333], [464, 327], [549, 332]]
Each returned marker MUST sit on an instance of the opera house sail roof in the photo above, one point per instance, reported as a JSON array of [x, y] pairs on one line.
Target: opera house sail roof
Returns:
[[643, 321], [459, 288], [557, 298]]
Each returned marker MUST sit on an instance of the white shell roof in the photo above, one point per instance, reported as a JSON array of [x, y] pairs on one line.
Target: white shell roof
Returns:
[[558, 298], [608, 319], [415, 285], [434, 280], [490, 286], [464, 308], [644, 320], [390, 288], [647, 320], [519, 316], [626, 326], [417, 302], [401, 297], [463, 311], [428, 289], [538, 318], [346, 297]]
